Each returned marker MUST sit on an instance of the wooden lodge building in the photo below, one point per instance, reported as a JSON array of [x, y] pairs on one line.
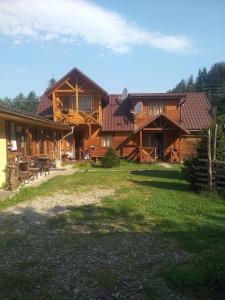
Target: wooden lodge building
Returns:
[[26, 135], [78, 119], [144, 127]]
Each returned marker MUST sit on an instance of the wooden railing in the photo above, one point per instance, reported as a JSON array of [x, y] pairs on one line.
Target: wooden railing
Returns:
[[174, 155], [82, 117], [147, 154]]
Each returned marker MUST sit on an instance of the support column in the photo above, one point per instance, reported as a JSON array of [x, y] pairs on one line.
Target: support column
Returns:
[[54, 106], [77, 97], [141, 143]]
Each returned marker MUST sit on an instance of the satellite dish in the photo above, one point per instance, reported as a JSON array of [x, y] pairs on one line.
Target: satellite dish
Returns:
[[124, 94], [138, 108]]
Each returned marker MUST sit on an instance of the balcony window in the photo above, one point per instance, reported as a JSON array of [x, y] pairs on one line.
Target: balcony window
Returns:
[[85, 103], [73, 103], [106, 141], [156, 108], [65, 103]]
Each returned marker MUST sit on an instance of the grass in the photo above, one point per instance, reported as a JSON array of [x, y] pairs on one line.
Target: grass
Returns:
[[148, 200]]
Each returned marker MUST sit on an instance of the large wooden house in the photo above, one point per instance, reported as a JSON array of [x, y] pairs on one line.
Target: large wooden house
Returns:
[[144, 127]]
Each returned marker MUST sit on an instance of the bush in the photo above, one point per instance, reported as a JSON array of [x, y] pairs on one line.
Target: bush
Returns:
[[110, 159]]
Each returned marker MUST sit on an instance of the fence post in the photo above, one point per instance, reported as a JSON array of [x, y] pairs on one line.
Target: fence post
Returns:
[[214, 142], [209, 160]]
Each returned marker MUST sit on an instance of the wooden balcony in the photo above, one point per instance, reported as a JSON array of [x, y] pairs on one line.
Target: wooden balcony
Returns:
[[80, 117]]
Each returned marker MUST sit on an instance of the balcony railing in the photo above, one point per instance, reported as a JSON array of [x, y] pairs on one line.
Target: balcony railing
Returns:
[[82, 117]]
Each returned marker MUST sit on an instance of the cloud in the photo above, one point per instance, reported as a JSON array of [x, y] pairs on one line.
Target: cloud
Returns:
[[71, 20]]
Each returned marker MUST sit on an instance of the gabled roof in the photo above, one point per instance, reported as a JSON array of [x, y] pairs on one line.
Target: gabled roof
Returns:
[[154, 118], [9, 113], [45, 105], [74, 71], [117, 116]]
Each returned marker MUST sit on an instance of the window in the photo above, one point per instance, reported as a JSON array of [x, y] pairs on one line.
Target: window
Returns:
[[13, 136], [156, 108], [73, 103], [85, 103], [65, 102], [106, 141]]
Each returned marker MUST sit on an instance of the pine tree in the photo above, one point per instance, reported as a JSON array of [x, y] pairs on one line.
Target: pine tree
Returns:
[[51, 82], [110, 159]]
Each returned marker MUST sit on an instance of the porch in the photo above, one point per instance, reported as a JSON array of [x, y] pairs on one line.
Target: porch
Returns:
[[158, 139]]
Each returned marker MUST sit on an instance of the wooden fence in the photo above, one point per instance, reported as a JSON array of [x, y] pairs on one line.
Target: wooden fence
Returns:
[[201, 176]]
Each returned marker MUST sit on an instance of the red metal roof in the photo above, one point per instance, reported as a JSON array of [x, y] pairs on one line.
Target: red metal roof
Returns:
[[164, 95], [196, 112], [45, 107], [117, 116]]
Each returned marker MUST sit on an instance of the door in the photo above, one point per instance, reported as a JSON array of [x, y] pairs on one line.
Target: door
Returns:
[[155, 140], [79, 141], [158, 140]]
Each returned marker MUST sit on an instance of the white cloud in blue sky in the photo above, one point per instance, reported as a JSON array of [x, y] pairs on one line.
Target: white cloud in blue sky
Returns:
[[74, 20]]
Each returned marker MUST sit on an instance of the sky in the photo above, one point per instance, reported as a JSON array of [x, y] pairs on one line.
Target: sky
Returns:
[[145, 45]]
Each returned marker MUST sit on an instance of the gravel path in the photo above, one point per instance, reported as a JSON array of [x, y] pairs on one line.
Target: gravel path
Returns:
[[44, 260], [40, 209]]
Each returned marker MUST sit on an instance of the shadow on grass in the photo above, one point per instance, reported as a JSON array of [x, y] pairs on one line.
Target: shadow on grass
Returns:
[[75, 252], [170, 174], [166, 185]]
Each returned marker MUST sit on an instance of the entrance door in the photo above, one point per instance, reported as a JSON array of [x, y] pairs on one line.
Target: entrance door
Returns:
[[158, 137], [79, 141], [155, 140]]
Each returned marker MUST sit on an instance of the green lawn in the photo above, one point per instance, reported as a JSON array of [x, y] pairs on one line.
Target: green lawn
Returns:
[[155, 232]]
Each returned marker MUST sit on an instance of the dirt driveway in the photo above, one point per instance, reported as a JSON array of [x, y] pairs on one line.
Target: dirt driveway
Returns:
[[43, 259]]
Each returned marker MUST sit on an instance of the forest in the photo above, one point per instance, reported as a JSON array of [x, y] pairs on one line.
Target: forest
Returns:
[[210, 81], [28, 103]]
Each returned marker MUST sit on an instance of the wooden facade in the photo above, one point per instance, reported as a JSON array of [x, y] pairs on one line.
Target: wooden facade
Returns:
[[100, 120], [24, 135]]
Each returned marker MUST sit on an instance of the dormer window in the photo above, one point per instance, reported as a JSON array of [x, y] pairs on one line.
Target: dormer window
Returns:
[[156, 108]]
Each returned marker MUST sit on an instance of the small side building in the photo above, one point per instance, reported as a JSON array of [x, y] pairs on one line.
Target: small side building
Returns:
[[26, 135]]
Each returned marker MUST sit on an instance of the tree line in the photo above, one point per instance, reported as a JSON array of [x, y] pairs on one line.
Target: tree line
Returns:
[[210, 81], [27, 103]]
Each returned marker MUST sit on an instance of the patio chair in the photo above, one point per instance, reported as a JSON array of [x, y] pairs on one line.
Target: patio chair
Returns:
[[33, 169], [47, 166]]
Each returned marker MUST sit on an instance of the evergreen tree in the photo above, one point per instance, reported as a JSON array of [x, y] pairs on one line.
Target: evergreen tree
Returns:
[[51, 81], [190, 84], [110, 159]]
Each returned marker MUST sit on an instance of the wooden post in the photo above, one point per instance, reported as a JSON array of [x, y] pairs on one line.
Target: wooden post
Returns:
[[100, 113], [141, 138], [77, 97], [209, 161], [54, 105], [141, 142], [214, 142]]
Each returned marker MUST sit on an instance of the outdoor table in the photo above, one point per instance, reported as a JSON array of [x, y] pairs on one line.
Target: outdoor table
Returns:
[[43, 162]]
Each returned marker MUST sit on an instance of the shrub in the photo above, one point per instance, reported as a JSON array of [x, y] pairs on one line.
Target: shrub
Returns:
[[110, 159]]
